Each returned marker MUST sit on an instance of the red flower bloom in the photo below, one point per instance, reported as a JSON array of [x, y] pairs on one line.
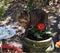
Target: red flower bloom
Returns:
[[40, 26]]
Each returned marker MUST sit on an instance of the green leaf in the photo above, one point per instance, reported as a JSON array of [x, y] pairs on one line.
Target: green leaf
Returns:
[[33, 30], [48, 32], [37, 35]]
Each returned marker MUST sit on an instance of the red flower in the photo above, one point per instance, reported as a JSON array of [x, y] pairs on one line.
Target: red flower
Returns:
[[40, 26]]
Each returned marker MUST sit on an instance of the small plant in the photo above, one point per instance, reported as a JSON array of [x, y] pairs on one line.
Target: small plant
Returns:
[[39, 32]]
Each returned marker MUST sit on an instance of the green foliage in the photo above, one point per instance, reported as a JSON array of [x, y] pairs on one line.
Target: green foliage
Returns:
[[7, 1], [39, 34], [0, 0], [2, 10], [31, 5], [3, 7]]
